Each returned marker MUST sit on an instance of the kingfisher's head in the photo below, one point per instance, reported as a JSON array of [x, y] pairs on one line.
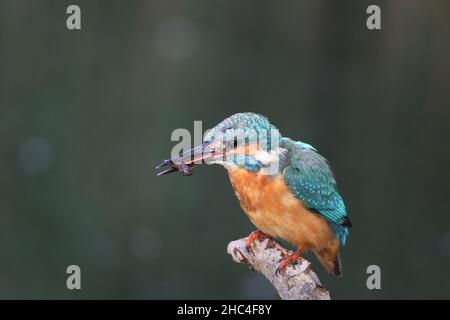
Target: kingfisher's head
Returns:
[[245, 140]]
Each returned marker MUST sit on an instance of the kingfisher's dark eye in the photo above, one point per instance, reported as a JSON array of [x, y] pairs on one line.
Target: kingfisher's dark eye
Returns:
[[235, 142], [229, 127]]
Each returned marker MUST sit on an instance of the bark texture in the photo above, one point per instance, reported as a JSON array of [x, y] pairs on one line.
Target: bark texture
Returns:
[[296, 282]]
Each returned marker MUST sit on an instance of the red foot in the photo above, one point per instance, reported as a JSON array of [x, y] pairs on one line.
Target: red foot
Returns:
[[253, 236], [288, 260]]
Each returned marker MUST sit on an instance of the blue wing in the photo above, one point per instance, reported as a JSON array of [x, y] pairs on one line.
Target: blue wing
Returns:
[[310, 178]]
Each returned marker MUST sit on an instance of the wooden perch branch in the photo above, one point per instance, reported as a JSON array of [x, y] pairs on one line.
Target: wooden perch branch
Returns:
[[296, 282]]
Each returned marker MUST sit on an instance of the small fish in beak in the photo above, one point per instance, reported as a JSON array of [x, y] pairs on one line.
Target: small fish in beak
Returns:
[[169, 166], [186, 161]]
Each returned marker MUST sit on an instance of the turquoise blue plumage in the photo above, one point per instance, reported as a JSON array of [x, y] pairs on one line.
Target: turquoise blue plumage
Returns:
[[311, 180], [286, 187], [303, 168]]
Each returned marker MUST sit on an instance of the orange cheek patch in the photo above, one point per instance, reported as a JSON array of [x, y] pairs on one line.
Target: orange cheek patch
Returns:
[[249, 149]]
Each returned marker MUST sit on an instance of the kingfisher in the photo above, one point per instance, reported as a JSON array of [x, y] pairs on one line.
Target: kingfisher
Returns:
[[285, 187]]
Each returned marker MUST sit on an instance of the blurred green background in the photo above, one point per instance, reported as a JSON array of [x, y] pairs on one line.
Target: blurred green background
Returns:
[[86, 115]]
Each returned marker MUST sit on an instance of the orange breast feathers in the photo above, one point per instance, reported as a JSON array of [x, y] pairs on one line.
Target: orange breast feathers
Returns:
[[274, 210]]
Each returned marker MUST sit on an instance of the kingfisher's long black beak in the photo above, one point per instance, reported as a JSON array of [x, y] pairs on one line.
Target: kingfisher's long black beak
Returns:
[[186, 161]]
